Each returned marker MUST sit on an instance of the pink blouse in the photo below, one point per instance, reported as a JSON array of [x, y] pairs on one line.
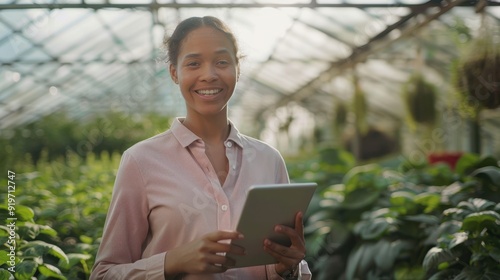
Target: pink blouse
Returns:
[[167, 194]]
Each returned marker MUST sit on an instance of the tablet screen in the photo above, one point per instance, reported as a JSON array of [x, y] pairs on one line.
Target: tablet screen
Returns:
[[265, 207]]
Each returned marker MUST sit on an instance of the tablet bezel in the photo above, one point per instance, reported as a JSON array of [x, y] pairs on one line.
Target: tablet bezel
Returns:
[[265, 207]]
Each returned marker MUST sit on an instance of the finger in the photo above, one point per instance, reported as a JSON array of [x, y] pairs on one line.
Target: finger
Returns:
[[296, 239], [223, 235], [288, 252], [281, 258], [223, 261], [299, 223], [216, 247]]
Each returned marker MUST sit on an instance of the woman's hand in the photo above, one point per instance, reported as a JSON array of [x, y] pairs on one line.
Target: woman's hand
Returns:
[[201, 255], [288, 257]]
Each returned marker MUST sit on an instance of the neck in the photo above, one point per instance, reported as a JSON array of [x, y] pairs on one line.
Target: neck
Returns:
[[213, 129]]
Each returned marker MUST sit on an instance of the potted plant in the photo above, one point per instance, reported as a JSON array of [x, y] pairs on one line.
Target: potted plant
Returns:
[[420, 100]]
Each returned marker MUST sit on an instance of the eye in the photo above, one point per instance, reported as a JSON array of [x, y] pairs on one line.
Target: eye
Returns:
[[222, 62], [193, 64]]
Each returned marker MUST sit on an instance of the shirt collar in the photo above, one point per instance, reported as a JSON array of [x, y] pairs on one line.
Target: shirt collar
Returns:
[[186, 137]]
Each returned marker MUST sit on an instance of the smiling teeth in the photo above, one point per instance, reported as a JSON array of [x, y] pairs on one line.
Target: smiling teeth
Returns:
[[208, 92]]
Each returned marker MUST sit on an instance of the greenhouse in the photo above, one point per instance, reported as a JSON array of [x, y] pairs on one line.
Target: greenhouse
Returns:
[[376, 101]]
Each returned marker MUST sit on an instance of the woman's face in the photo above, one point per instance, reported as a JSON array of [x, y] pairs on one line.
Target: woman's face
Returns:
[[206, 71]]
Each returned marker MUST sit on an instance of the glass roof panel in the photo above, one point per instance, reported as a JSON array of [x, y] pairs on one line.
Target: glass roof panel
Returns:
[[259, 31], [107, 58], [13, 47], [130, 1]]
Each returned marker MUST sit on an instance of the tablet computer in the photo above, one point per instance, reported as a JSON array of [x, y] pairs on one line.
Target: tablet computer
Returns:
[[265, 207]]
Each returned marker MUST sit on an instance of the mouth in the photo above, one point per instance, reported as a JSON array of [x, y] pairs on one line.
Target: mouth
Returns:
[[208, 92]]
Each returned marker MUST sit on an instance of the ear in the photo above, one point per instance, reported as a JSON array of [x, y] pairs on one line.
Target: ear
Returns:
[[173, 73]]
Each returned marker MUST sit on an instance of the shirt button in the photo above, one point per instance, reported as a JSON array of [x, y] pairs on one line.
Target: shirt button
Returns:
[[229, 144], [224, 207]]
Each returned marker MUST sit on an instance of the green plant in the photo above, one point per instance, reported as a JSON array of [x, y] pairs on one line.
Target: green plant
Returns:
[[24, 254], [53, 136], [61, 207], [420, 100], [470, 248], [379, 223], [475, 74]]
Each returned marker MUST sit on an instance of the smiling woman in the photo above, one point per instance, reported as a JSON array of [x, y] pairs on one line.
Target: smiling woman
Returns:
[[206, 72], [178, 195]]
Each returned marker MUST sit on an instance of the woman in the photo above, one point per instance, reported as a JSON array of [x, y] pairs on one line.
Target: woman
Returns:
[[178, 195]]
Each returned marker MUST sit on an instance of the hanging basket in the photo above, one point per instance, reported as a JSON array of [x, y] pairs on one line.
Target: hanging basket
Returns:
[[477, 73], [479, 80], [420, 97]]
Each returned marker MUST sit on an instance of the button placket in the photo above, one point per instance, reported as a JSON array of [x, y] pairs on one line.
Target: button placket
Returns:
[[231, 155]]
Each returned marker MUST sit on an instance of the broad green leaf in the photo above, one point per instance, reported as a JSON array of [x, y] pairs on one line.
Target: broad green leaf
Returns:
[[430, 200], [353, 261], [386, 256], [476, 222], [86, 239], [458, 238], [379, 213], [361, 259], [446, 228], [4, 231], [354, 177], [360, 198], [472, 273], [39, 248], [4, 258], [339, 234], [47, 230], [456, 213], [435, 256], [422, 218], [495, 254], [476, 205], [30, 230], [24, 213], [74, 259], [25, 270], [373, 229], [5, 274], [50, 271], [491, 174], [466, 162], [402, 198], [334, 156], [332, 202], [320, 216]]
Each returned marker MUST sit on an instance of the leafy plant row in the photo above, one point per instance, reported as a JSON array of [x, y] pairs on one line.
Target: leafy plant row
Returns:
[[52, 136], [411, 222], [374, 221], [60, 210]]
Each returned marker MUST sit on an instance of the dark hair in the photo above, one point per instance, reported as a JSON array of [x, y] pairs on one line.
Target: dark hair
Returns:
[[173, 43]]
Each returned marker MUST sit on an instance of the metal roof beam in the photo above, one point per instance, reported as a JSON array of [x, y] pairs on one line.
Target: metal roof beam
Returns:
[[360, 54], [154, 5]]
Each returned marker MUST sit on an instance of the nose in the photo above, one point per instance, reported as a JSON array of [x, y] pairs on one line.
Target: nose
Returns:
[[209, 73]]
